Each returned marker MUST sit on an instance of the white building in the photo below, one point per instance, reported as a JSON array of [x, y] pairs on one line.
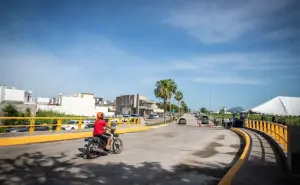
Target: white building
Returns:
[[16, 96], [81, 104], [156, 109]]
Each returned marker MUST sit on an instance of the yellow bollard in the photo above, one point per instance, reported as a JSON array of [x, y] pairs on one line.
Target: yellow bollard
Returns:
[[128, 121], [31, 127], [79, 124], [58, 128], [261, 126], [265, 127], [277, 132], [109, 122], [281, 136], [285, 137], [269, 128], [247, 123]]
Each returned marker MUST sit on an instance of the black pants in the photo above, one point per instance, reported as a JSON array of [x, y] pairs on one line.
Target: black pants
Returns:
[[103, 136]]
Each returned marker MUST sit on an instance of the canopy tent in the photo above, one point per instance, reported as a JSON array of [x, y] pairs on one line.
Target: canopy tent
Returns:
[[281, 105]]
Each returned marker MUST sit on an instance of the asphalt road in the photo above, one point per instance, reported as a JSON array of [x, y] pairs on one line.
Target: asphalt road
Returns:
[[175, 154]]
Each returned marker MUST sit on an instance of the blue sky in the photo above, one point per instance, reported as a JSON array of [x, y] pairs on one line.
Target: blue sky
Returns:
[[242, 52]]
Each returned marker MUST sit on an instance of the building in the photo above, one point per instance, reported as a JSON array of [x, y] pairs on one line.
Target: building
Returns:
[[81, 104], [156, 109], [15, 96], [21, 99], [134, 104]]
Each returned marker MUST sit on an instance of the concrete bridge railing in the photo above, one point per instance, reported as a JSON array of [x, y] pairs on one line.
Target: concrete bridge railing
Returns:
[[277, 131]]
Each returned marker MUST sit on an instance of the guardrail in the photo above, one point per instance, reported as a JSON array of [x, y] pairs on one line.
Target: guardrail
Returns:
[[277, 131], [60, 123]]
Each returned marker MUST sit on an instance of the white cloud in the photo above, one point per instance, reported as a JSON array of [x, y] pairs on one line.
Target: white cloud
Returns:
[[95, 66], [229, 80], [223, 22]]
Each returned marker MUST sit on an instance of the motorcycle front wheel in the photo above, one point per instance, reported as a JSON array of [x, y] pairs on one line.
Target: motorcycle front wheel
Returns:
[[117, 145]]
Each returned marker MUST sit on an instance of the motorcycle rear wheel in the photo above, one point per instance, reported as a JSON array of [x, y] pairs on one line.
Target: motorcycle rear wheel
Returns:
[[89, 150]]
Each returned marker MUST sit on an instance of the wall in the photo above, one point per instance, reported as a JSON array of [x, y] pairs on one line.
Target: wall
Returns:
[[76, 106], [42, 100], [1, 93], [15, 95], [22, 107]]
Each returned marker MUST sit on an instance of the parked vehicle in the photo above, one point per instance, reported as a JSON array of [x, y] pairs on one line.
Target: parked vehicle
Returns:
[[182, 121], [25, 128], [153, 116], [95, 145], [205, 120], [73, 125]]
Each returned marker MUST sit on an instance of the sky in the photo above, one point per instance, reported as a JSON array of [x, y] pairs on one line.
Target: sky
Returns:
[[220, 53]]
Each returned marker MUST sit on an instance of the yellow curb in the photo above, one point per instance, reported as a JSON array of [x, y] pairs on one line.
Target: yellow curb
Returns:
[[158, 126], [58, 137], [227, 179]]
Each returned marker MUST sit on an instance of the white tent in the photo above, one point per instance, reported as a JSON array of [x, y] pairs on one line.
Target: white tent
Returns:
[[281, 105]]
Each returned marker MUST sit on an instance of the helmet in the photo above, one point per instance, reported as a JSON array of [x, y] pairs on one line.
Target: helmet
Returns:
[[100, 115]]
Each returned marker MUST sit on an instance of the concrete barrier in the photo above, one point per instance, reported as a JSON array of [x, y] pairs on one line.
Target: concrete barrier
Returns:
[[227, 179], [58, 137]]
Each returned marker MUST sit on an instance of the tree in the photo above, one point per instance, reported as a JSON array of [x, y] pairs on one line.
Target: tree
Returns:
[[222, 111], [27, 112], [163, 90], [203, 110], [173, 89], [184, 106], [10, 111], [178, 98]]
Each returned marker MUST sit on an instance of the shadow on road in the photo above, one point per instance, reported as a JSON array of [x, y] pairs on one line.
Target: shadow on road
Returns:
[[36, 168]]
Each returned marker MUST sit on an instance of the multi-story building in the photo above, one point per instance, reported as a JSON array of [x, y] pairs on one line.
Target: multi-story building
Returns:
[[15, 96], [134, 104], [81, 104], [21, 99]]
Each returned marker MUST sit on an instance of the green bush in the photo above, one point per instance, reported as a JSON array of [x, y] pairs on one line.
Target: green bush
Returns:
[[290, 120], [52, 114]]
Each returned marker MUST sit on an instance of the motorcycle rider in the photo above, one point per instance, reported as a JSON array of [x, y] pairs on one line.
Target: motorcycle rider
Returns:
[[101, 129]]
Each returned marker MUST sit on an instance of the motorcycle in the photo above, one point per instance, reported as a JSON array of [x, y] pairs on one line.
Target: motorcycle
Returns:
[[96, 145]]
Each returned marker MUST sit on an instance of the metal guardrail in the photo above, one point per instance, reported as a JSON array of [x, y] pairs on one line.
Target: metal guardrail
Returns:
[[60, 120], [277, 131]]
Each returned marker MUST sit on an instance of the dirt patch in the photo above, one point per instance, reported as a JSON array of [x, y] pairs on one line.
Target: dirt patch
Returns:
[[235, 146], [170, 134], [231, 153], [208, 151], [166, 134], [221, 137], [215, 144]]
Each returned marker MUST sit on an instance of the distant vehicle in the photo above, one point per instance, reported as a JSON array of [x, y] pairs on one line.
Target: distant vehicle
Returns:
[[73, 124], [205, 120], [153, 116], [25, 128], [135, 115], [182, 121]]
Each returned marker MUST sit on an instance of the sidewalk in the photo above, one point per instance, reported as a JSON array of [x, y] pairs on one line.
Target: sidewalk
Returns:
[[263, 167]]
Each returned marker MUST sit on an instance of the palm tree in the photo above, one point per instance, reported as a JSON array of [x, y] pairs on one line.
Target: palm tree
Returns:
[[178, 97], [163, 90], [173, 89]]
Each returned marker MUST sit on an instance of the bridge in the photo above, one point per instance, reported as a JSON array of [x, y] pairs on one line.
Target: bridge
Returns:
[[167, 154]]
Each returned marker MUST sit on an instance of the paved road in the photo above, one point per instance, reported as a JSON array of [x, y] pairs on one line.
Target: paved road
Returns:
[[175, 154]]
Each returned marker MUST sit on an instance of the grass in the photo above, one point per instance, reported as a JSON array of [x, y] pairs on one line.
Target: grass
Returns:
[[290, 120]]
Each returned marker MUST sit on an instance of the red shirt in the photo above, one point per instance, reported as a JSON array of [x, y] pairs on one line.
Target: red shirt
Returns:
[[99, 127]]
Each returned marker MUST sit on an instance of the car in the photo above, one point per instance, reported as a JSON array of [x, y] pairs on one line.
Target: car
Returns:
[[205, 120], [153, 116], [73, 125], [182, 121]]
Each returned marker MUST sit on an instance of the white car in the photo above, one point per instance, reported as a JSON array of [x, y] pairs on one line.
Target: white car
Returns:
[[73, 125]]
